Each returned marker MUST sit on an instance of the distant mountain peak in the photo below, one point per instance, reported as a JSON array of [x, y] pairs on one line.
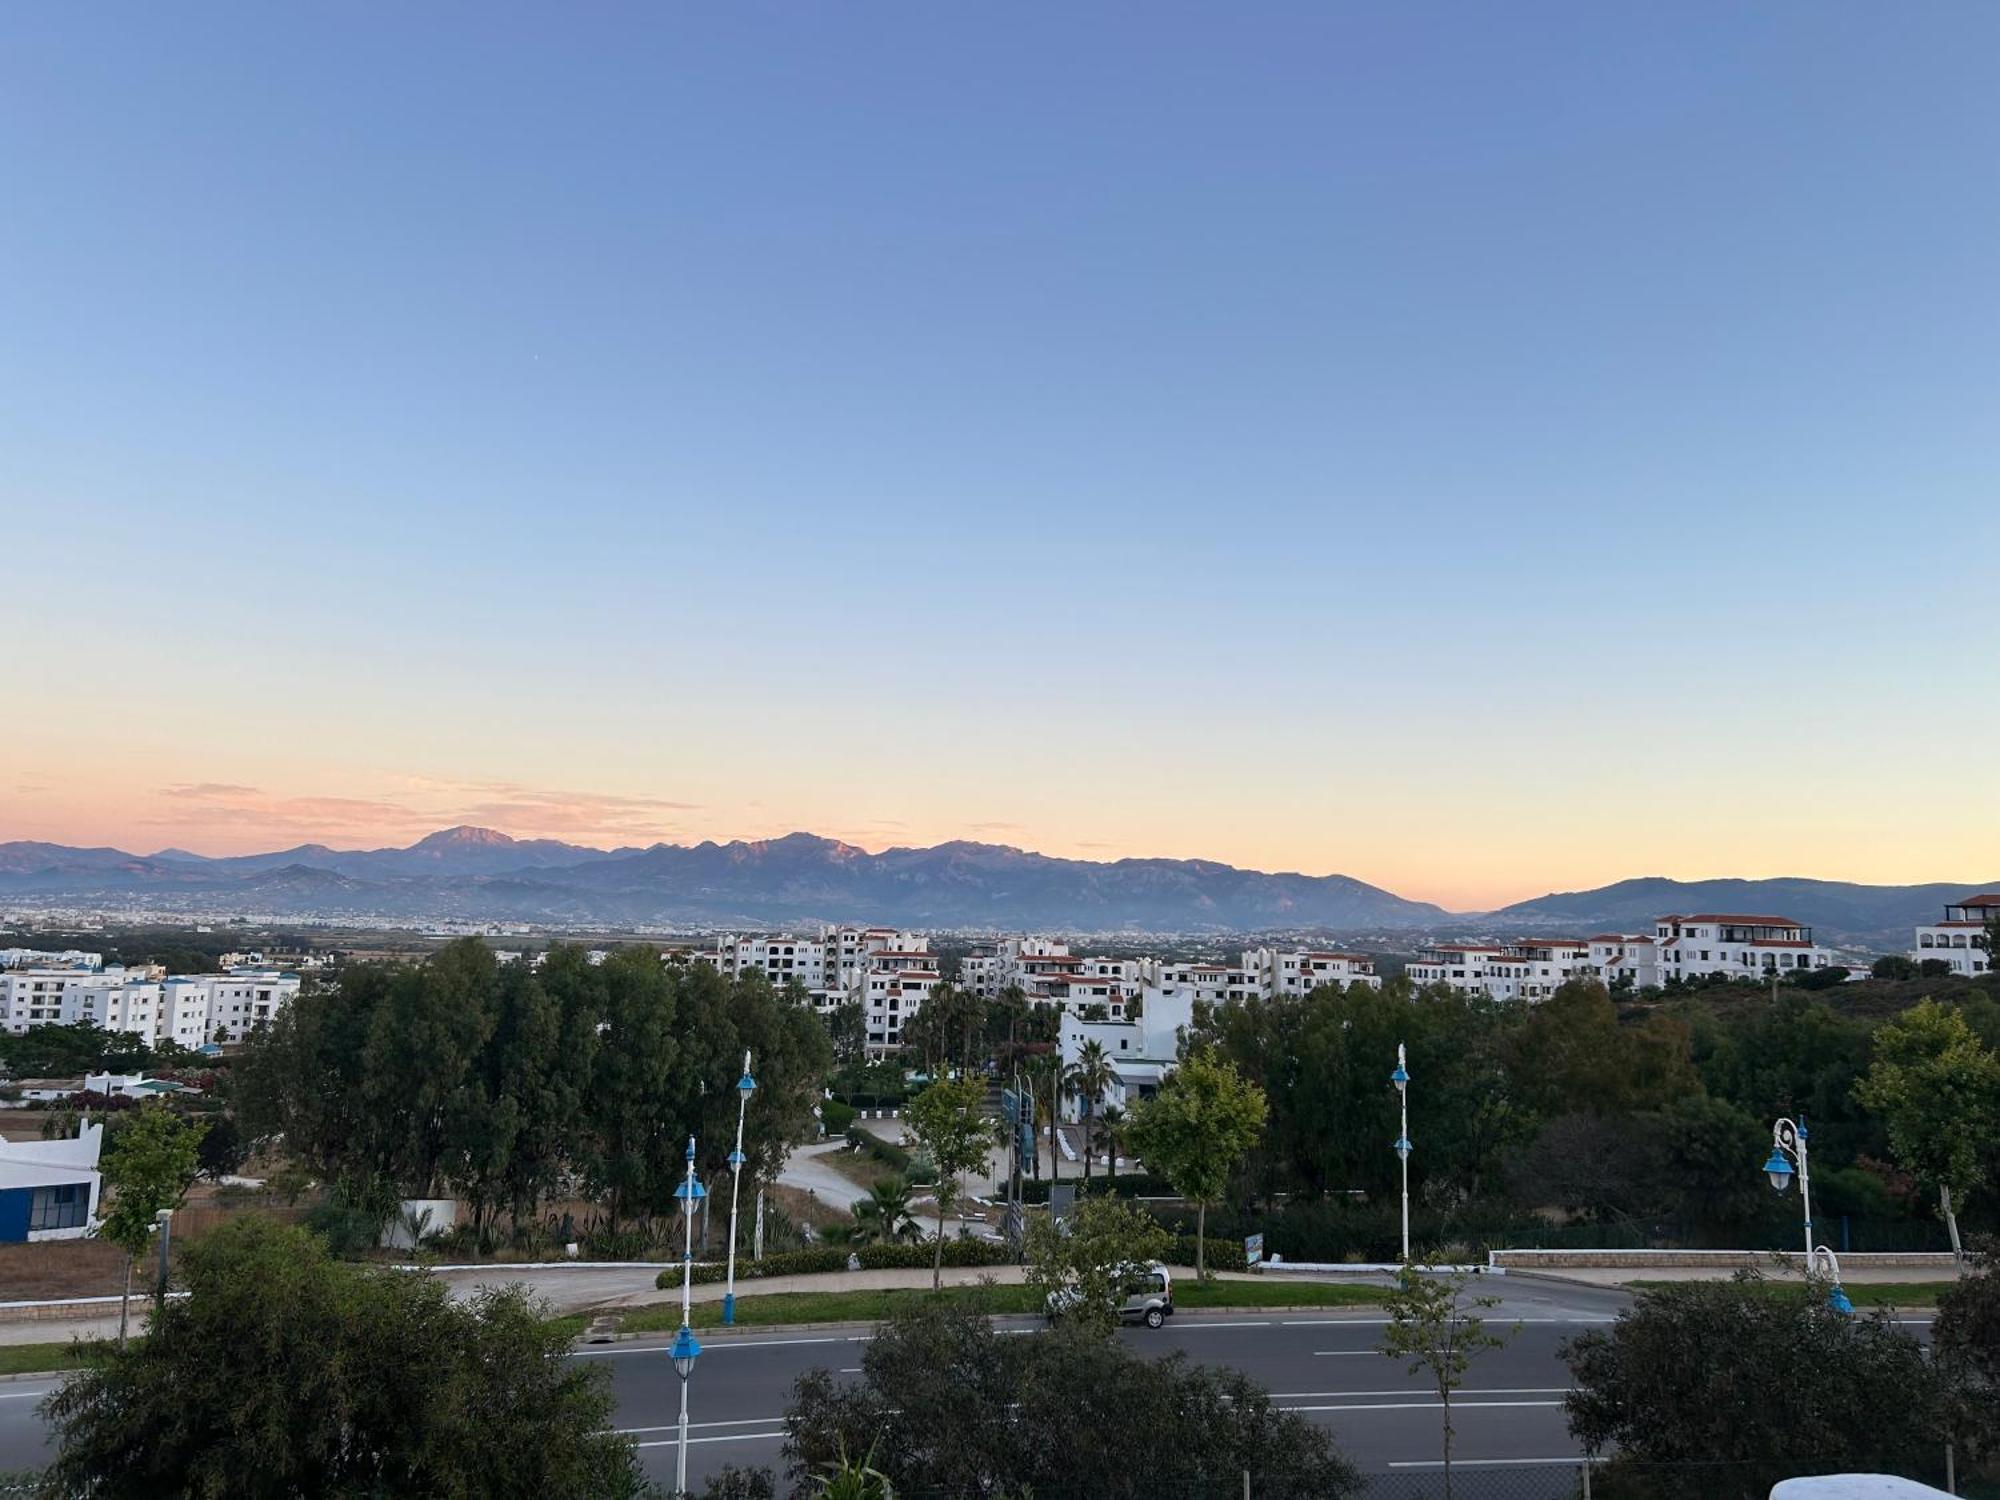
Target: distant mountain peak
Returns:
[[465, 836]]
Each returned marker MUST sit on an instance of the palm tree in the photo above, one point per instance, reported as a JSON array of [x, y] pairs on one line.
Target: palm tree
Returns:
[[1088, 1077], [1111, 1129], [884, 1215]]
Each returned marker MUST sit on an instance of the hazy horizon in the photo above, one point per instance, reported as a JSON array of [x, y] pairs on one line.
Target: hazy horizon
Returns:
[[1481, 451]]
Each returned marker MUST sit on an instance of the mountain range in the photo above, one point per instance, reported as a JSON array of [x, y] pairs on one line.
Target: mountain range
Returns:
[[470, 873]]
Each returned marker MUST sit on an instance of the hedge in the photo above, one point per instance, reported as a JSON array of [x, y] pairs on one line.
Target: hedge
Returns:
[[837, 1116], [916, 1173]]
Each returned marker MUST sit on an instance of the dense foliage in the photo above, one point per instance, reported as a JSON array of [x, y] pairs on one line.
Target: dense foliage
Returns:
[[1755, 1385], [946, 1406], [286, 1373], [509, 1084], [1513, 1107]]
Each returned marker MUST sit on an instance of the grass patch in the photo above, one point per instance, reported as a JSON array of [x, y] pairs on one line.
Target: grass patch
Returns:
[[36, 1359], [1866, 1294], [872, 1305]]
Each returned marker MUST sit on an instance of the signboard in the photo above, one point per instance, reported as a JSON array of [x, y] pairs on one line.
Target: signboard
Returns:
[[1062, 1200], [1253, 1249]]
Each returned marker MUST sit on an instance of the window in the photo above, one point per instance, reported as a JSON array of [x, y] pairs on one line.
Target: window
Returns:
[[61, 1207]]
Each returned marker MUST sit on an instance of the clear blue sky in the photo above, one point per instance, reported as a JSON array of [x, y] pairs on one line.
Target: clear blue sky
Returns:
[[1475, 447]]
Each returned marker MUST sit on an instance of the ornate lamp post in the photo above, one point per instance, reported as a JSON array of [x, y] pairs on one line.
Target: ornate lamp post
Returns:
[[685, 1350], [1788, 1145], [1401, 1079], [745, 1087]]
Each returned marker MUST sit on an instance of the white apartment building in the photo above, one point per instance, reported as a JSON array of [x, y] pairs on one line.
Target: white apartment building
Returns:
[[1631, 960], [41, 958], [191, 1009], [1960, 939], [1273, 972], [1707, 944], [1460, 965], [1047, 973], [1734, 945], [889, 973], [1142, 1051]]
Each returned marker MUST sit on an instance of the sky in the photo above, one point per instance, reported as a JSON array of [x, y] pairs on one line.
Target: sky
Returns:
[[1480, 449]]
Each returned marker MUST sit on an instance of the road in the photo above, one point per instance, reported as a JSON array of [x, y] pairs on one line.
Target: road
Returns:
[[1508, 1417]]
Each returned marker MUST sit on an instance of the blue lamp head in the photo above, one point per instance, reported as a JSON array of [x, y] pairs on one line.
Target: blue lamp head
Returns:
[[1778, 1170], [1403, 1147], [737, 1158], [746, 1085], [690, 1193], [1401, 1078], [1840, 1302], [685, 1352]]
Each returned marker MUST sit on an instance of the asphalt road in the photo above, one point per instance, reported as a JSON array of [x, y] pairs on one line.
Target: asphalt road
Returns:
[[1508, 1417]]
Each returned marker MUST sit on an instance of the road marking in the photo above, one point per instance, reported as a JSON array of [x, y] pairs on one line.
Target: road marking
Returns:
[[735, 1344], [1334, 1353], [736, 1437], [850, 1370], [1511, 1390], [1418, 1406], [669, 1426], [1206, 1323], [1495, 1463], [1384, 1322], [25, 1395]]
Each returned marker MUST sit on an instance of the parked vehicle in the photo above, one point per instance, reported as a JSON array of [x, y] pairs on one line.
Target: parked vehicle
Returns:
[[1146, 1295]]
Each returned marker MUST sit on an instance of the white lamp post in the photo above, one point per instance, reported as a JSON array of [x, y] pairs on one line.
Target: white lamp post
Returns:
[[1401, 1078], [745, 1087], [685, 1350], [1788, 1145]]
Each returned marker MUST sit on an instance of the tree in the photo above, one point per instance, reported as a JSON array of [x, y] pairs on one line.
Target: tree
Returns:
[[1937, 1086], [285, 1372], [1195, 1131], [946, 1406], [884, 1215], [1085, 1261], [949, 1122], [1088, 1078], [1893, 966], [1752, 1383], [1965, 1342], [1436, 1328], [220, 1150], [151, 1163], [1108, 1132]]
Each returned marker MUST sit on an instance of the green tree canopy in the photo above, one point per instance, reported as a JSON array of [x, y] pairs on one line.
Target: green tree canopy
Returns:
[[1196, 1130], [1086, 1259], [1750, 1387], [950, 1124], [945, 1406], [286, 1373]]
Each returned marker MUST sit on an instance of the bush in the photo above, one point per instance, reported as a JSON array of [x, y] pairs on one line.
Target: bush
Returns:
[[1221, 1255], [347, 1228], [838, 1117], [914, 1170]]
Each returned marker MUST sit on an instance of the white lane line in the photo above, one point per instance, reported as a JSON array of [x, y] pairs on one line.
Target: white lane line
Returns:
[[850, 1370], [25, 1395], [1503, 1390], [1384, 1322], [1418, 1406], [1336, 1353], [737, 1422], [1496, 1463], [734, 1344], [1205, 1323], [738, 1437]]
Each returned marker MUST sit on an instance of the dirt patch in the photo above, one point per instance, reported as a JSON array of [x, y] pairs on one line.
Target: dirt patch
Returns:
[[62, 1268]]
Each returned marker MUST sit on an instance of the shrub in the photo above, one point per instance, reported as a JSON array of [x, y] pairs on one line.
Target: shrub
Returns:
[[837, 1116]]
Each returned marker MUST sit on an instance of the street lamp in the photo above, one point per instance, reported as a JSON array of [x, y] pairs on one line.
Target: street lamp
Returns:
[[745, 1087], [1401, 1078], [685, 1350], [1788, 1145]]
